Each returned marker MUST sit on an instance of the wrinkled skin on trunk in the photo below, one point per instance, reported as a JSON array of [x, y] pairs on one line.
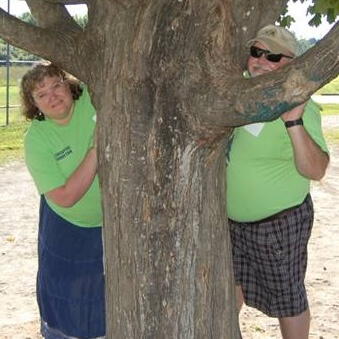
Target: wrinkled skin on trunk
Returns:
[[166, 79]]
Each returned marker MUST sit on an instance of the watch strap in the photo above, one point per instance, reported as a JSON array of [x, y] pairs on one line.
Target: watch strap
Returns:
[[292, 123]]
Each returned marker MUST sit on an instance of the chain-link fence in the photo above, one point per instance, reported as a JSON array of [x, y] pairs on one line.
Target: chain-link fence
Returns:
[[11, 72], [13, 64]]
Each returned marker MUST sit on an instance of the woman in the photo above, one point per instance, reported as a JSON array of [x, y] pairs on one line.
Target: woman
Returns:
[[61, 157]]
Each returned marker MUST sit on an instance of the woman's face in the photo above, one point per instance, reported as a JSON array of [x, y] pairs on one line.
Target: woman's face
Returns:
[[54, 99]]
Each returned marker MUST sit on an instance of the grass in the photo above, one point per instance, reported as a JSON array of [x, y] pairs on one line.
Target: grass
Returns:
[[11, 136], [11, 141], [330, 109], [330, 88], [332, 136], [13, 95], [15, 74]]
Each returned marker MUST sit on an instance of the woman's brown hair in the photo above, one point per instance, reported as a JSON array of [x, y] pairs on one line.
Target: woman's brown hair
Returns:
[[34, 76]]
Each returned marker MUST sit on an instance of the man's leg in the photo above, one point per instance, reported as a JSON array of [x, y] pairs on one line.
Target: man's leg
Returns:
[[239, 297], [297, 327]]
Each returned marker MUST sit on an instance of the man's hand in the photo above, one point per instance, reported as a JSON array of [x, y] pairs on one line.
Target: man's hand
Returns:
[[295, 113]]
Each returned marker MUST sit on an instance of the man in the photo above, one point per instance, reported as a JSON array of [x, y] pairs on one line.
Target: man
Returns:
[[269, 169]]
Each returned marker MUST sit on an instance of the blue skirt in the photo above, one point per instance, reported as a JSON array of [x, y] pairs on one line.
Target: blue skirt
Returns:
[[70, 280]]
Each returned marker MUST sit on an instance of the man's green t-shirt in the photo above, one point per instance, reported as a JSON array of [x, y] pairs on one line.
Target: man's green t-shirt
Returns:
[[261, 175], [54, 151]]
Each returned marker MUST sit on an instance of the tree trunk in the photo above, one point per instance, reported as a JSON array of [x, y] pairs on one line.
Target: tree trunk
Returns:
[[168, 261], [167, 253]]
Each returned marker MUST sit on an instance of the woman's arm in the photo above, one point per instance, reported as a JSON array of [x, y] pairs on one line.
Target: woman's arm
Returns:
[[78, 183]]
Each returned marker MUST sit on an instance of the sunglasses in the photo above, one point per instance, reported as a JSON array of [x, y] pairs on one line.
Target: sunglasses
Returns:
[[257, 52]]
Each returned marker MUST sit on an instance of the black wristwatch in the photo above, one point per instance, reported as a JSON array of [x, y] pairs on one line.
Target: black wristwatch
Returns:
[[292, 123]]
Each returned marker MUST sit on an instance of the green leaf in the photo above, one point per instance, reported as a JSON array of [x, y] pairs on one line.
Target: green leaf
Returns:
[[316, 20]]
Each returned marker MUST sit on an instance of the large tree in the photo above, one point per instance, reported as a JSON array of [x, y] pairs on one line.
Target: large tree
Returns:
[[166, 79]]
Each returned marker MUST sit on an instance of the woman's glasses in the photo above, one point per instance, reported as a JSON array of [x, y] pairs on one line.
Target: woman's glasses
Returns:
[[257, 52], [43, 95]]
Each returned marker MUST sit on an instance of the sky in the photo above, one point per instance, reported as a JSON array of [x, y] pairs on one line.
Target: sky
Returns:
[[300, 28], [298, 10]]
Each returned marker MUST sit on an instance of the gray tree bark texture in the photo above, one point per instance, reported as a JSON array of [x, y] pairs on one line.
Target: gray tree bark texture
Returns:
[[166, 79]]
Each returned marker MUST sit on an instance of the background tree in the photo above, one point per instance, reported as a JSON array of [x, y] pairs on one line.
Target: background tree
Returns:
[[305, 44], [166, 79]]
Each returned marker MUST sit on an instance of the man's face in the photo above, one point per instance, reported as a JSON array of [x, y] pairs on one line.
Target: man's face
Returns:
[[258, 66]]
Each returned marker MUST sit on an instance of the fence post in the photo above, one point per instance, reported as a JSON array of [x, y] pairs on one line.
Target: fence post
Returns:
[[8, 51], [7, 84]]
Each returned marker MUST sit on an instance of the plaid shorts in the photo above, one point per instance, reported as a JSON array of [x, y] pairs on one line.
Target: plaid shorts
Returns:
[[270, 259]]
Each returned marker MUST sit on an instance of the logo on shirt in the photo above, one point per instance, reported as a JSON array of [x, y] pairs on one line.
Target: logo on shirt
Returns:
[[63, 153]]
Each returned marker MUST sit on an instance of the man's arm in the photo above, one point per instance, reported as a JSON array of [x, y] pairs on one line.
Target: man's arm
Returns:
[[311, 161]]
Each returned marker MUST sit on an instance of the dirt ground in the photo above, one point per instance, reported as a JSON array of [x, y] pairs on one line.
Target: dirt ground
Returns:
[[18, 260]]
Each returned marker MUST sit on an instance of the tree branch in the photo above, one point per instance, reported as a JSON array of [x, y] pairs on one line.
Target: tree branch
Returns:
[[47, 43], [52, 15], [266, 97], [68, 2]]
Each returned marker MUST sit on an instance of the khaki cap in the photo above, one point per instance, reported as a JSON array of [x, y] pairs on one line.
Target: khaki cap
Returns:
[[277, 39]]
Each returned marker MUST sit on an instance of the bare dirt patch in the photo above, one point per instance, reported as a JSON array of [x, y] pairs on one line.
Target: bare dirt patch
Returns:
[[19, 203]]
